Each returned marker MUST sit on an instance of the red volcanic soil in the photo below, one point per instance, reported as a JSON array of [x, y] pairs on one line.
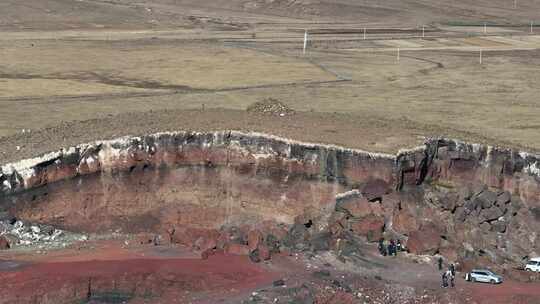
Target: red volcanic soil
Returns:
[[155, 279], [100, 272], [507, 292]]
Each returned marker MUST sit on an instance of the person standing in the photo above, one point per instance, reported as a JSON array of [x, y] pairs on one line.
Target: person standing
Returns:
[[440, 262], [449, 278], [444, 280]]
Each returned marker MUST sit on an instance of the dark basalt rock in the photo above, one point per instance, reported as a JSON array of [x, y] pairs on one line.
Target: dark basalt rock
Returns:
[[487, 199], [504, 198], [498, 226], [461, 214], [321, 241], [492, 213]]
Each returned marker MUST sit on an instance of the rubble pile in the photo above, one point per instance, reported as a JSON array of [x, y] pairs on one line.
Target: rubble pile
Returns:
[[259, 243], [15, 233], [329, 287], [471, 226], [310, 234], [270, 106]]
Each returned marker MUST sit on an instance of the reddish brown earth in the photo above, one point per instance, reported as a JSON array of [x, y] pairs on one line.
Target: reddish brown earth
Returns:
[[508, 292], [146, 274], [172, 274]]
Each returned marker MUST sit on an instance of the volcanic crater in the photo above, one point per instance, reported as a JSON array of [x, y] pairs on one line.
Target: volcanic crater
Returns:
[[259, 195]]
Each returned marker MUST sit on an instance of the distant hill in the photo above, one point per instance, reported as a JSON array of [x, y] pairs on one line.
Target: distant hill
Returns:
[[72, 14]]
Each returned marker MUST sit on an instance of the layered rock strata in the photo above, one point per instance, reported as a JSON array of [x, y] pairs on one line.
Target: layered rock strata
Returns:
[[461, 200]]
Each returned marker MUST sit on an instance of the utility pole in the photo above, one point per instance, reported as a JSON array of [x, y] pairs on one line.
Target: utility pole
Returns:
[[485, 28], [364, 33], [305, 42], [480, 56], [531, 27], [397, 54], [423, 31]]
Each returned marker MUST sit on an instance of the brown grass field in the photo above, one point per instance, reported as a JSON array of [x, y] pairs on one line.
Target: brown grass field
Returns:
[[71, 70]]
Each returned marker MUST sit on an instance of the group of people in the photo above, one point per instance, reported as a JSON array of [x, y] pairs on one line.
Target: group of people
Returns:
[[448, 276], [390, 248]]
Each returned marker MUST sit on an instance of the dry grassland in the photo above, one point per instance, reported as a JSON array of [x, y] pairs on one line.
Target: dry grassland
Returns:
[[216, 58]]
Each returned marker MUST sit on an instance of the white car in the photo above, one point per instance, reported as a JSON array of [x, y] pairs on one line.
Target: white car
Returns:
[[533, 265], [483, 275]]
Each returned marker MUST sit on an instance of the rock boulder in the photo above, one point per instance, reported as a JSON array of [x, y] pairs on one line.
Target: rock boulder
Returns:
[[375, 189], [371, 227], [4, 243], [254, 238], [498, 226], [487, 199], [504, 198], [356, 207], [237, 249], [404, 222], [427, 240], [492, 213], [449, 201], [461, 214]]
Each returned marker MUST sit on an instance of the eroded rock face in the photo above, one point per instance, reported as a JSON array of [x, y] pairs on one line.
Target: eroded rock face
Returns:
[[201, 180], [441, 197], [247, 153], [462, 164]]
